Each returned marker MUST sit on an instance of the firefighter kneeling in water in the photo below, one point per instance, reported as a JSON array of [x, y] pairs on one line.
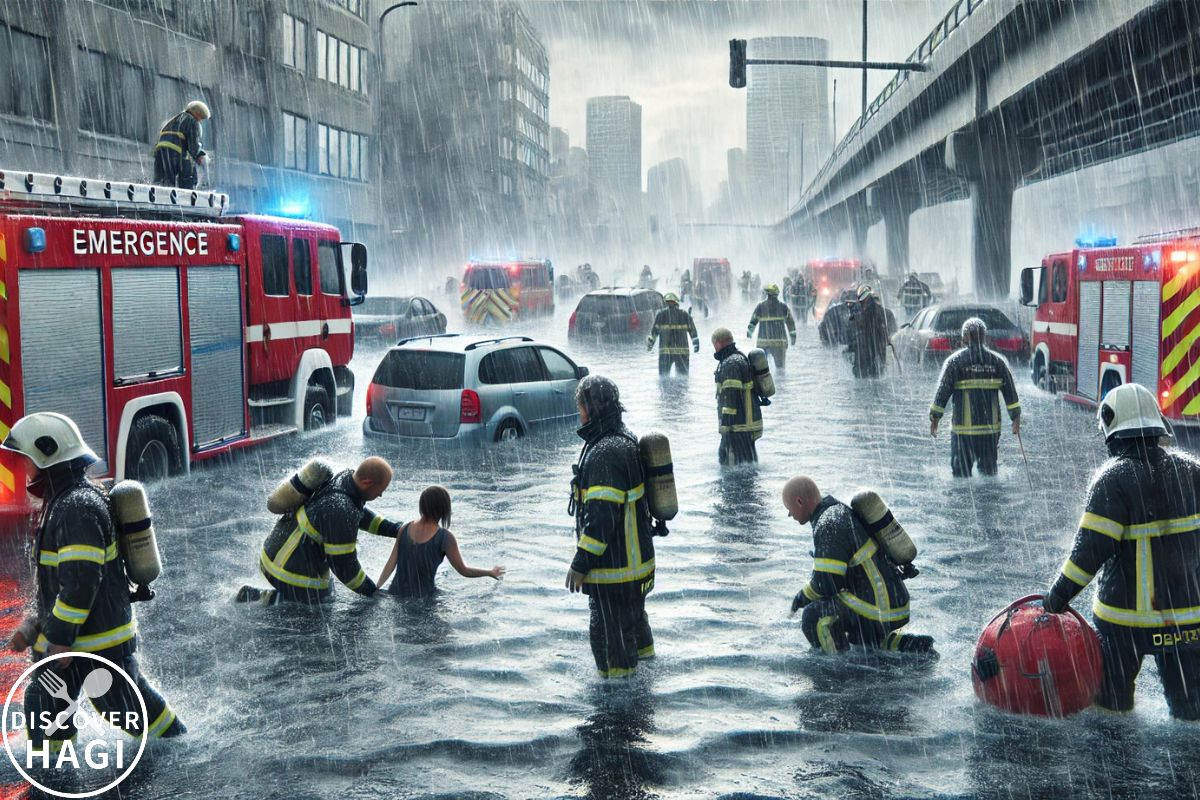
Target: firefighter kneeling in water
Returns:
[[856, 594], [321, 536], [1141, 525], [614, 553], [83, 602], [672, 327]]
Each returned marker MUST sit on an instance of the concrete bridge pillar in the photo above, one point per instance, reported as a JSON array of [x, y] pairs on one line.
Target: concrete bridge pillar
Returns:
[[858, 213], [895, 205], [994, 165]]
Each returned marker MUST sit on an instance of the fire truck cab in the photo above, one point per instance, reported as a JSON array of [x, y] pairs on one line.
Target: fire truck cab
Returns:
[[1108, 314], [167, 329], [830, 276]]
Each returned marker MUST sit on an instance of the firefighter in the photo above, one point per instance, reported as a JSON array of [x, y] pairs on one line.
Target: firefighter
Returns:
[[973, 376], [869, 338], [855, 594], [738, 404], [672, 327], [322, 536], [614, 554], [685, 285], [775, 325], [1141, 526], [178, 151], [646, 280], [83, 598], [801, 298], [914, 295], [744, 284]]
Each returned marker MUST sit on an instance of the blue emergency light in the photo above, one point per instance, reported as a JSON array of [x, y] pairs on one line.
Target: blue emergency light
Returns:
[[296, 208], [35, 240], [233, 242], [1099, 241]]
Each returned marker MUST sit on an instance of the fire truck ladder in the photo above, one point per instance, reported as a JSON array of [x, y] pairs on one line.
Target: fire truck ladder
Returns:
[[1164, 236], [36, 190]]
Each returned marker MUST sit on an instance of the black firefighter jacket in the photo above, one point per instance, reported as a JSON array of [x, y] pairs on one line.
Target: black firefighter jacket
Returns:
[[973, 378], [775, 324], [672, 327], [738, 406]]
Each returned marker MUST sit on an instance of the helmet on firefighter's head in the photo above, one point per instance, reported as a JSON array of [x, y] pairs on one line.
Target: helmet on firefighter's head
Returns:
[[671, 297], [771, 289], [47, 439], [974, 331], [1130, 411], [864, 291], [599, 396], [199, 109]]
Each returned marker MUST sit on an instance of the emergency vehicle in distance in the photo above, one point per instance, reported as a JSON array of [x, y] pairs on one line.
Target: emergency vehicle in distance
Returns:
[[169, 331], [1108, 314], [830, 276], [499, 291], [714, 277]]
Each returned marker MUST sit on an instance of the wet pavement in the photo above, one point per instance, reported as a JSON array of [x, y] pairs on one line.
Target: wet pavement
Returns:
[[490, 691]]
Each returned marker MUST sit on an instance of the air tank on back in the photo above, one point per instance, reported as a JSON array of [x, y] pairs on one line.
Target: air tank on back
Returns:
[[295, 490], [883, 526], [655, 450], [763, 382], [135, 535]]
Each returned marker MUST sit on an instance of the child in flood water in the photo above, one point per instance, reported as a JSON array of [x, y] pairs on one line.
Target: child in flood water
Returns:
[[421, 545]]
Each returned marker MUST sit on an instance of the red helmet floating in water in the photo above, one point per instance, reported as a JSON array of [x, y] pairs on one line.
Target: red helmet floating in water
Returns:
[[1029, 661]]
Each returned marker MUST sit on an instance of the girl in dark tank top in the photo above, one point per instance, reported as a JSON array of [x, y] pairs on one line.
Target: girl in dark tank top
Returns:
[[421, 545]]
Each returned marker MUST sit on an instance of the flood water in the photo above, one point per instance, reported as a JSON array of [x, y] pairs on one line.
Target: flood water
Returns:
[[490, 690]]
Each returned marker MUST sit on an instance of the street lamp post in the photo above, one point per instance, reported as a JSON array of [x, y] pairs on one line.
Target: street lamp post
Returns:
[[379, 137]]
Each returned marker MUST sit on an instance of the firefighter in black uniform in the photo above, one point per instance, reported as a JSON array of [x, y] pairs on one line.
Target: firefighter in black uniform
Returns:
[[614, 554], [1141, 526], [178, 152], [801, 297], [855, 594], [83, 598], [321, 536], [973, 376], [775, 325], [914, 295], [870, 339], [738, 404], [672, 327]]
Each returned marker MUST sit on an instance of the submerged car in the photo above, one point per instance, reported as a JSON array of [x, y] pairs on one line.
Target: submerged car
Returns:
[[936, 332], [472, 389], [615, 315], [394, 318]]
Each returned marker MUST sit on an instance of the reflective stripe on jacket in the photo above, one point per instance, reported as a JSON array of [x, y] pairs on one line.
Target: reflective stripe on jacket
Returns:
[[975, 379], [738, 405], [774, 321], [672, 327]]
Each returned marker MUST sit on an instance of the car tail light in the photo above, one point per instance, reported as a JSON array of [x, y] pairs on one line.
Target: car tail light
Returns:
[[387, 329], [373, 391], [471, 410], [1011, 343], [939, 343], [635, 324], [571, 321]]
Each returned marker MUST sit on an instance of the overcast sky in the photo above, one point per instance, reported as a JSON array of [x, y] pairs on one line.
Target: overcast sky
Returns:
[[672, 57]]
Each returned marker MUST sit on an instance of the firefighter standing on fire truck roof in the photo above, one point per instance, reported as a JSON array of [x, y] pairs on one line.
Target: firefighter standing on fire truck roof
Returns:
[[672, 327], [83, 602], [973, 376], [177, 152], [1141, 524]]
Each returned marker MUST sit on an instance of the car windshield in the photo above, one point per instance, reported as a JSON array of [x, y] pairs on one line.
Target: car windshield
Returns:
[[605, 304], [487, 278], [952, 319], [383, 306], [420, 369]]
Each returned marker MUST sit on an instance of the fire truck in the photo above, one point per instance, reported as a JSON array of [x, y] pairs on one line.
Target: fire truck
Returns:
[[497, 292], [829, 276], [170, 330], [1108, 314]]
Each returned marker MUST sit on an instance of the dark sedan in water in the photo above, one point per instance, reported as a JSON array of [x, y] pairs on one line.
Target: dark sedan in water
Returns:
[[615, 315], [936, 332], [389, 319]]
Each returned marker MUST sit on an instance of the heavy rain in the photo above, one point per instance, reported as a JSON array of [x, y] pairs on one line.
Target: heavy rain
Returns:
[[239, 236]]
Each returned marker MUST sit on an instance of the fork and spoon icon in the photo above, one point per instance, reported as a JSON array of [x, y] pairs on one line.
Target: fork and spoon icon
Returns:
[[97, 683]]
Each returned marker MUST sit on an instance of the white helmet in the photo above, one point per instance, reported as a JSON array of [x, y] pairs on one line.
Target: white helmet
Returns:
[[1130, 412], [47, 439], [198, 107]]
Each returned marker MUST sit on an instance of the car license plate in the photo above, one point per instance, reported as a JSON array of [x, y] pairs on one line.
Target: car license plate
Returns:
[[410, 413]]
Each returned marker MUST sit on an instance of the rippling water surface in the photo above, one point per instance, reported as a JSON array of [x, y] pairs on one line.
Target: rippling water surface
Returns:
[[490, 690]]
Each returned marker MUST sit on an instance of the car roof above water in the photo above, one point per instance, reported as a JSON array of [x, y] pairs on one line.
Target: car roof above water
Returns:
[[461, 343]]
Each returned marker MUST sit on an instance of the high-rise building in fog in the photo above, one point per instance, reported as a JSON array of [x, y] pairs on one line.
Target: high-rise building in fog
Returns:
[[671, 196], [560, 145], [788, 133], [614, 146]]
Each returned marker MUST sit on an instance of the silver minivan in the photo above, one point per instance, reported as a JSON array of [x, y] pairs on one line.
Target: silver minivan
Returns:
[[474, 389]]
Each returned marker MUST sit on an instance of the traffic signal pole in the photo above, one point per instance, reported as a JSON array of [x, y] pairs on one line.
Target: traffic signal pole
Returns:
[[738, 63]]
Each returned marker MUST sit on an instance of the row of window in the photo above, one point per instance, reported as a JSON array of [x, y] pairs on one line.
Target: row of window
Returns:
[[517, 57], [355, 7], [276, 274], [341, 153], [340, 62], [522, 365], [295, 43], [525, 96], [532, 131]]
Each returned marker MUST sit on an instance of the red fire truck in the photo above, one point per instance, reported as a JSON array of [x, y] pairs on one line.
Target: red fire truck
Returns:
[[168, 330], [1108, 315], [497, 292], [830, 276]]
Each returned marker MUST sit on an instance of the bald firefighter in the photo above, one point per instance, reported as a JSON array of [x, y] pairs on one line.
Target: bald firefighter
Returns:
[[1140, 534], [775, 325], [973, 377], [321, 537], [178, 151], [739, 408], [672, 328], [855, 594]]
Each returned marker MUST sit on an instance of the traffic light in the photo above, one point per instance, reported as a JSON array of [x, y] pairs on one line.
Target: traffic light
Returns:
[[737, 63]]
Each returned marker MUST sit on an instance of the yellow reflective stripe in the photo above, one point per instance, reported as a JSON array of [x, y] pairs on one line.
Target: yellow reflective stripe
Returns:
[[356, 581], [375, 523], [1179, 351], [614, 495], [306, 526], [673, 351], [75, 616], [7, 478], [1146, 619], [865, 609], [864, 553], [646, 652], [979, 383], [163, 721], [810, 592], [1176, 317], [1012, 406], [728, 410], [831, 565], [825, 635], [975, 430], [617, 672], [730, 384], [177, 134], [169, 146], [772, 342], [771, 319], [636, 569], [81, 552], [340, 549], [102, 641], [939, 410], [1179, 387], [1163, 527], [1172, 287], [1144, 579], [290, 578], [883, 600], [5, 394], [672, 327], [749, 427], [1104, 525], [593, 546], [1073, 572]]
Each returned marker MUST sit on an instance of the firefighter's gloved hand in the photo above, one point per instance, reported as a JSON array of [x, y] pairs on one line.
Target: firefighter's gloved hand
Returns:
[[799, 601], [749, 332], [1055, 604], [793, 338], [695, 347], [649, 344]]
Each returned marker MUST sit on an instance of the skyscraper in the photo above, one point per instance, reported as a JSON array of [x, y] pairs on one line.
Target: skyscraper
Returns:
[[788, 134], [614, 146]]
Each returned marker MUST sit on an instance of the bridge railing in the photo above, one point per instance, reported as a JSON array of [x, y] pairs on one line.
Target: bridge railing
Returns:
[[924, 51]]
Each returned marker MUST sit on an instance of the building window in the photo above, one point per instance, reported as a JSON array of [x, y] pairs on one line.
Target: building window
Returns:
[[113, 96], [355, 7], [340, 62], [295, 142], [251, 136], [340, 153], [25, 87], [295, 43], [171, 95]]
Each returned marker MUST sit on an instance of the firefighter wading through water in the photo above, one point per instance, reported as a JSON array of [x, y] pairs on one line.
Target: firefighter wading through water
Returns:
[[974, 376], [673, 327], [83, 602], [739, 409], [614, 554], [1141, 526], [178, 150], [775, 325]]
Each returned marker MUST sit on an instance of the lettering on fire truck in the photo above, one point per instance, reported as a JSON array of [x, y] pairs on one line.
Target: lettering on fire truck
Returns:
[[146, 243], [1114, 264]]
